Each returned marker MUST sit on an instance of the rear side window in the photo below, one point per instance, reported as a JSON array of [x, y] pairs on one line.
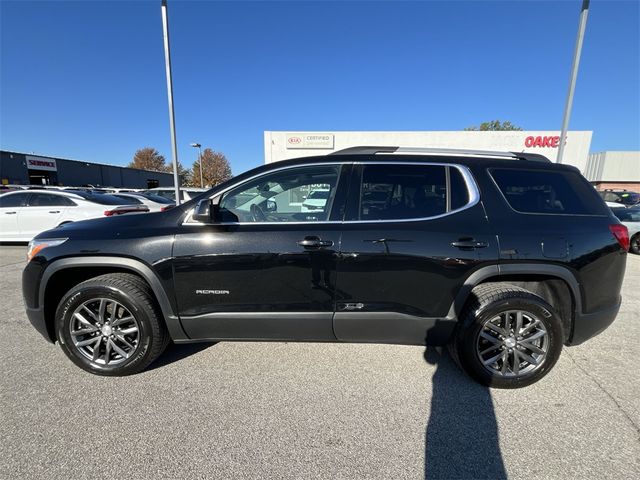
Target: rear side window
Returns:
[[402, 192], [49, 200], [550, 192]]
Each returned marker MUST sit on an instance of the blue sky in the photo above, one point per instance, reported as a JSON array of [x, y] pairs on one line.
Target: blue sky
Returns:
[[86, 79]]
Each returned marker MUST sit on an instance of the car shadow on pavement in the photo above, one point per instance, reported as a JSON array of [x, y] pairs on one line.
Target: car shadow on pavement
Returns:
[[176, 352], [461, 439]]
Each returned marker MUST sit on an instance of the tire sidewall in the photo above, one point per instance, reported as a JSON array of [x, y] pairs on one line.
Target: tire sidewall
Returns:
[[76, 297], [635, 244], [530, 303]]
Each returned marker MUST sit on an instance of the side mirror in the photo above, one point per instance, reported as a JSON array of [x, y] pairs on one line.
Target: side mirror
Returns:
[[207, 210]]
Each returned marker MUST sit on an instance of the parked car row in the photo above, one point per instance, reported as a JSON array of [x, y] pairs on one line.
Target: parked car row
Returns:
[[26, 212]]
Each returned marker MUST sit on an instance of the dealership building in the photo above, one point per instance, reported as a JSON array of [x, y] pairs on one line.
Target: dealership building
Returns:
[[27, 169], [604, 170]]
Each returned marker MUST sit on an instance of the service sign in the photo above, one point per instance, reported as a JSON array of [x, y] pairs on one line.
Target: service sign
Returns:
[[310, 141], [41, 163]]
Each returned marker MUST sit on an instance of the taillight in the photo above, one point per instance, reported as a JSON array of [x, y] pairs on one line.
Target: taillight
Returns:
[[108, 213], [622, 235], [168, 207]]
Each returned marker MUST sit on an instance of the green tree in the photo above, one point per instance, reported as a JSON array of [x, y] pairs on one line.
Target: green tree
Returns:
[[148, 158], [215, 169], [494, 126]]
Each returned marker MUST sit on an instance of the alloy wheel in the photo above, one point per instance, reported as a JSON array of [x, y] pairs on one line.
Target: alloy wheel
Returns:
[[104, 331], [513, 343]]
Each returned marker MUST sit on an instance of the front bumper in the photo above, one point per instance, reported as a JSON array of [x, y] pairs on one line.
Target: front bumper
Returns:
[[588, 325], [36, 317]]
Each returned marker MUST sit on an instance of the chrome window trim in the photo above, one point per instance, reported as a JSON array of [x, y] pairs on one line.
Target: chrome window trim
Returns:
[[472, 190]]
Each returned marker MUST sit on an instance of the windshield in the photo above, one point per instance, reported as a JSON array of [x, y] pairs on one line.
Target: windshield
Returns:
[[629, 198]]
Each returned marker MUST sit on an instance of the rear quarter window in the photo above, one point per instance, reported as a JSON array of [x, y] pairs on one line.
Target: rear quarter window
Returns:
[[548, 192]]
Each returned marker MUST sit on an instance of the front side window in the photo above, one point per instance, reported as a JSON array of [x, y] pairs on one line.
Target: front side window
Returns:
[[397, 192], [299, 194], [13, 200]]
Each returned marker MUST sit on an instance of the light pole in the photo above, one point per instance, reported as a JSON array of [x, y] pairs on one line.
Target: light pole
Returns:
[[172, 118], [199, 147], [582, 25]]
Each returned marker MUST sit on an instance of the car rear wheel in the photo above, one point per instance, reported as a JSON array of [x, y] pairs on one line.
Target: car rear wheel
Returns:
[[507, 337], [110, 325], [635, 244]]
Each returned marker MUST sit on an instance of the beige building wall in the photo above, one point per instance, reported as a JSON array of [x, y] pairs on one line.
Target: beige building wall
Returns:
[[282, 145]]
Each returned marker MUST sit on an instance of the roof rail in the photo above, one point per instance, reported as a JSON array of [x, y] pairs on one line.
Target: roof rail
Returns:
[[364, 150]]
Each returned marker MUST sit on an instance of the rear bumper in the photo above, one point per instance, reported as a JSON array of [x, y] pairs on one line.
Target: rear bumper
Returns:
[[36, 317], [588, 325]]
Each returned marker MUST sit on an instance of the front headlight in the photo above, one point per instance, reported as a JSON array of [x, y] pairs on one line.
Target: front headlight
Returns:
[[36, 246]]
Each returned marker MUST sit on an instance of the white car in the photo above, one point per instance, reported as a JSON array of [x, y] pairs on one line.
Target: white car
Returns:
[[24, 214], [630, 217], [315, 201], [170, 193], [155, 203]]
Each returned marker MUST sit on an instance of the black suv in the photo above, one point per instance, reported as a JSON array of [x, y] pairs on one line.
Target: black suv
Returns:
[[505, 257]]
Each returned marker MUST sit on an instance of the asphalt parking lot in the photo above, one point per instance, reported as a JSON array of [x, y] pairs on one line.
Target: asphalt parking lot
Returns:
[[287, 410]]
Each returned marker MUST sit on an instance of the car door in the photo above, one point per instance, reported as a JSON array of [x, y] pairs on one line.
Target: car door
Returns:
[[266, 270], [413, 233], [10, 205], [43, 211]]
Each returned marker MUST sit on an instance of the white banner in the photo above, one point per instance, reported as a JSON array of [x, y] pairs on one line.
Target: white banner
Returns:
[[310, 141], [41, 163]]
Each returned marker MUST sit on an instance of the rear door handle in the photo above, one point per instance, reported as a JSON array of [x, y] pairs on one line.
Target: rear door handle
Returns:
[[469, 244], [54, 211], [10, 213], [314, 242]]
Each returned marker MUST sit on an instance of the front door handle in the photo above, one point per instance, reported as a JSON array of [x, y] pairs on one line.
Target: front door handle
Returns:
[[54, 211], [314, 242], [10, 213], [469, 244]]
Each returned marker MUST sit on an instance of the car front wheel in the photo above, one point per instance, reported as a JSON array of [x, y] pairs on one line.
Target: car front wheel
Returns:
[[110, 325]]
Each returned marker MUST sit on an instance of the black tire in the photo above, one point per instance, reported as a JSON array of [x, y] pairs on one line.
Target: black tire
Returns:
[[130, 292], [487, 301], [635, 244]]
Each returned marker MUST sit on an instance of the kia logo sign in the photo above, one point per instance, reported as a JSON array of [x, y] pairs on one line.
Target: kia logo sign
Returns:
[[309, 141], [544, 142]]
